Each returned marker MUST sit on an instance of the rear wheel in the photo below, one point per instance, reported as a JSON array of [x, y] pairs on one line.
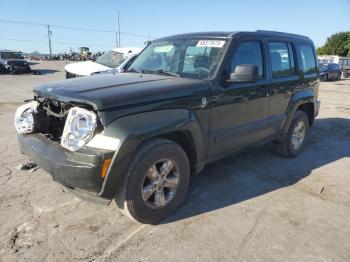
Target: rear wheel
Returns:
[[156, 182], [294, 141]]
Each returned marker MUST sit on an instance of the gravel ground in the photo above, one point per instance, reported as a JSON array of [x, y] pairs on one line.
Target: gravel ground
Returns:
[[254, 207]]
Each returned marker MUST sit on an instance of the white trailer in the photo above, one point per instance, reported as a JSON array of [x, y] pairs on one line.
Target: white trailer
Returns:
[[340, 60]]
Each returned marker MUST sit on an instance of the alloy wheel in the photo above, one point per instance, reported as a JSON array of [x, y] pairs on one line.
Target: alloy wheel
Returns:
[[298, 135], [160, 183]]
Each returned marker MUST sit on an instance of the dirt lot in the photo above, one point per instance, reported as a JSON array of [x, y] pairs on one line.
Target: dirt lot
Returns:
[[254, 207]]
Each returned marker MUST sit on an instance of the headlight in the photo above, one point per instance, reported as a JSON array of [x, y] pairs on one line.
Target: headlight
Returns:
[[79, 128], [24, 118]]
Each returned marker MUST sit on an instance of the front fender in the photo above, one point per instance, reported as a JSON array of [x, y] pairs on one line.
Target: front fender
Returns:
[[134, 129], [298, 98]]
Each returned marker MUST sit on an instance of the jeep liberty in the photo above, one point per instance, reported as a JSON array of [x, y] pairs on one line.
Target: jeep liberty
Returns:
[[186, 100]]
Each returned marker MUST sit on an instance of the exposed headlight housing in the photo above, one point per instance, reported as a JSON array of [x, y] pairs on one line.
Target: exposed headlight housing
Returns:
[[24, 118], [79, 128]]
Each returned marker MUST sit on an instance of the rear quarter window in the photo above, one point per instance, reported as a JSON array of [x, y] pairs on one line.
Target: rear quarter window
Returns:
[[308, 60]]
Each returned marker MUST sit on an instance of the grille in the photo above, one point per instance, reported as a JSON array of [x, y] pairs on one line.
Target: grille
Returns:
[[50, 118]]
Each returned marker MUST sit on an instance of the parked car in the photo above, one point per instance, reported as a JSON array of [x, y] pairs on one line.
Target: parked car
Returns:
[[13, 62], [330, 72], [187, 100], [346, 71], [342, 61], [113, 61]]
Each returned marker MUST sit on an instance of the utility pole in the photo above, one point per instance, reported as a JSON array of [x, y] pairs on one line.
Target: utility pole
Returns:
[[49, 33], [119, 45]]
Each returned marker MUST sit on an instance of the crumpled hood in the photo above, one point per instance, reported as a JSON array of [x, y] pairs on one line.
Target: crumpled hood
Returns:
[[104, 92], [85, 68]]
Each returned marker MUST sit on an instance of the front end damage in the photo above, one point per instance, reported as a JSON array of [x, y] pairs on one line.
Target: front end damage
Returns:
[[42, 126]]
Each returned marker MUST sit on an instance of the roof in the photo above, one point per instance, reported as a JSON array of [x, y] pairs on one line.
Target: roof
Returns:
[[230, 34], [127, 50]]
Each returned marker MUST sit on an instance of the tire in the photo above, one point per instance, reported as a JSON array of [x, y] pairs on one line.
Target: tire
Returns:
[[145, 172], [291, 146]]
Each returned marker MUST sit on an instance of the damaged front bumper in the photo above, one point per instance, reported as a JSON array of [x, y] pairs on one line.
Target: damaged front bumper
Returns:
[[79, 170]]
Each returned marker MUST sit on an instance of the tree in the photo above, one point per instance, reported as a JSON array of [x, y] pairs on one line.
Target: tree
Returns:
[[337, 44], [320, 50]]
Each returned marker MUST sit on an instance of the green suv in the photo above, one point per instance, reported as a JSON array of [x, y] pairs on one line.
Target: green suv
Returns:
[[187, 100]]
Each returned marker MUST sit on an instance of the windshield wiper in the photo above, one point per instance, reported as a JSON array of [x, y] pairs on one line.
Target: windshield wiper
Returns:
[[162, 72], [133, 70]]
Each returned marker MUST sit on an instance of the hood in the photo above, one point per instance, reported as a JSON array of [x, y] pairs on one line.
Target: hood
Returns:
[[323, 69], [85, 68], [109, 91]]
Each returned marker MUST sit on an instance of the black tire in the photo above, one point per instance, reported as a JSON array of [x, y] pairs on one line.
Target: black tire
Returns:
[[129, 197], [285, 146]]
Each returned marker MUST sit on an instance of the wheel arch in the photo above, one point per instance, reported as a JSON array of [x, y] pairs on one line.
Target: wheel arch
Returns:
[[178, 125], [303, 100]]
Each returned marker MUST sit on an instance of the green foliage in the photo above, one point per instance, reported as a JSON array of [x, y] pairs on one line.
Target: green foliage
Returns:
[[336, 44], [320, 51]]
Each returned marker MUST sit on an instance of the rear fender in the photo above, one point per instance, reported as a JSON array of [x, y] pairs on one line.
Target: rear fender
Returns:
[[299, 98]]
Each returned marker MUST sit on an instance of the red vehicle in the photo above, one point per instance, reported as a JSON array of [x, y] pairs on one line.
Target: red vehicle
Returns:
[[346, 71]]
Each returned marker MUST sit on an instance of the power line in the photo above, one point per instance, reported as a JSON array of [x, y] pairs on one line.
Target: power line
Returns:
[[61, 43], [72, 28]]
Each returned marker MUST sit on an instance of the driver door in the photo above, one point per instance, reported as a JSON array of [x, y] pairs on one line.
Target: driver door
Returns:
[[240, 109]]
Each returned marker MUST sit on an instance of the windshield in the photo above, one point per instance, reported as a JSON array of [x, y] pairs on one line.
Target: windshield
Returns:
[[11, 55], [111, 59], [193, 58]]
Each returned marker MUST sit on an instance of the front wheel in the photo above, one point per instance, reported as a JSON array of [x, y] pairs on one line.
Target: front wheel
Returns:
[[156, 182], [294, 141]]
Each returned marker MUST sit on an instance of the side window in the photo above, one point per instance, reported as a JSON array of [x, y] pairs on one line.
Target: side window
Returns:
[[308, 59], [248, 53], [282, 59]]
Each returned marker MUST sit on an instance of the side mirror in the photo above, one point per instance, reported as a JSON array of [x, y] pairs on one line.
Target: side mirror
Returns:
[[244, 74]]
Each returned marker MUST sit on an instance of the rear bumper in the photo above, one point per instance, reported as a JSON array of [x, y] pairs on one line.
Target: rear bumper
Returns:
[[76, 170]]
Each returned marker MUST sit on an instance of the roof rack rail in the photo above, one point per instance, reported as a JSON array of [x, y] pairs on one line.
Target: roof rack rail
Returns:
[[277, 32]]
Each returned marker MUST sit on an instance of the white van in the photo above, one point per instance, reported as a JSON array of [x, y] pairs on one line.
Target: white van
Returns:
[[113, 61]]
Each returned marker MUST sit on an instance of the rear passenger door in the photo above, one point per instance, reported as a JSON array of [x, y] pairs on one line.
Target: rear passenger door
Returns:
[[283, 81]]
